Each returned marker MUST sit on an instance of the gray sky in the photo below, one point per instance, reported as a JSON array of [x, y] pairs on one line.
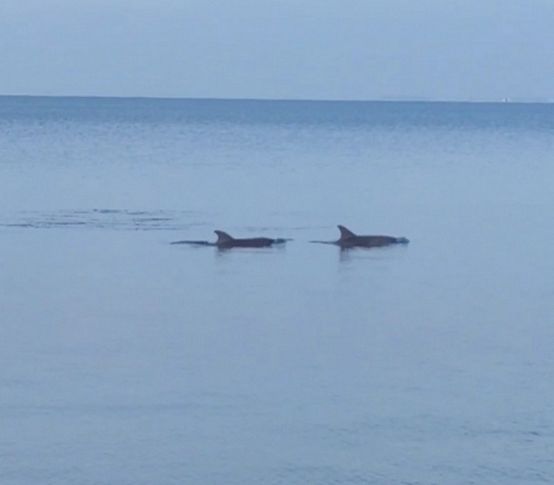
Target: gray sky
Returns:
[[314, 49]]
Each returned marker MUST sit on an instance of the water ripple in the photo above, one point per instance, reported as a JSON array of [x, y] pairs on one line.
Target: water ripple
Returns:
[[114, 219]]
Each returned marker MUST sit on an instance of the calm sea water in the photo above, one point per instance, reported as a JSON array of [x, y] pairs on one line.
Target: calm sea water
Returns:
[[126, 360]]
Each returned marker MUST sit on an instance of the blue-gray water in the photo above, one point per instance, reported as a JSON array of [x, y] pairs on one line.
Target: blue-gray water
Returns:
[[124, 359]]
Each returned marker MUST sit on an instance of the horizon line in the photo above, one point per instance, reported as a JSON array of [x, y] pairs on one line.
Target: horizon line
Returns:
[[387, 99]]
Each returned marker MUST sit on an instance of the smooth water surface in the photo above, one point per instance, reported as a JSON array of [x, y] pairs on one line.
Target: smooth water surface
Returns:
[[127, 360]]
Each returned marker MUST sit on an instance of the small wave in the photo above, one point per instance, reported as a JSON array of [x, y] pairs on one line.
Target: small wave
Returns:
[[114, 219]]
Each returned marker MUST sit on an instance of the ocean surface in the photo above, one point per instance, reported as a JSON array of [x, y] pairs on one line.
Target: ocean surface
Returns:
[[127, 360]]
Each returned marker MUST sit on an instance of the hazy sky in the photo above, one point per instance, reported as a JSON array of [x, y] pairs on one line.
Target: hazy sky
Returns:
[[316, 49]]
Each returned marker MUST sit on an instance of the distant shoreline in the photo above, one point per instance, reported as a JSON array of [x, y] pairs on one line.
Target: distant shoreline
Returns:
[[292, 100]]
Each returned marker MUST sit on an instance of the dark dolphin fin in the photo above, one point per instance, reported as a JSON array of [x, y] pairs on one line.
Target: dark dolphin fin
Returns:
[[223, 237], [345, 233]]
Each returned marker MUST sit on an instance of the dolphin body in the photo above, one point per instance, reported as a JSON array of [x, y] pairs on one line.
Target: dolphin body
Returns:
[[225, 241], [349, 240]]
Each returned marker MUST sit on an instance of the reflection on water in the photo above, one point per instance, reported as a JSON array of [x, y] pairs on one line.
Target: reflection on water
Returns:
[[374, 255]]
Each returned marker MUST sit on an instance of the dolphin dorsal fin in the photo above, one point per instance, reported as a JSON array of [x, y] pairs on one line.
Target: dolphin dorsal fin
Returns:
[[222, 237], [345, 233]]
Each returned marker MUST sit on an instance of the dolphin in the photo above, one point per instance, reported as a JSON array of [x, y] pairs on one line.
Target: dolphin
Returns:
[[349, 240], [225, 241]]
